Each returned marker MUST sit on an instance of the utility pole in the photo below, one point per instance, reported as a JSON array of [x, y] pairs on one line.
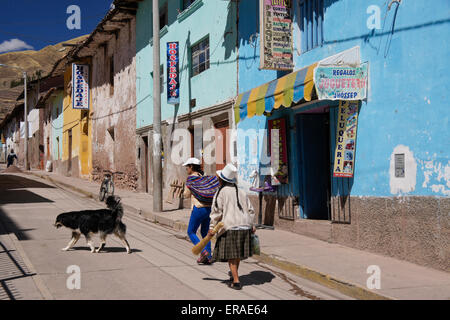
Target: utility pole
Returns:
[[157, 165], [25, 116]]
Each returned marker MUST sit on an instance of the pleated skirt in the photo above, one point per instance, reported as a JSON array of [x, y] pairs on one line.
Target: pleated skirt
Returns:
[[233, 244]]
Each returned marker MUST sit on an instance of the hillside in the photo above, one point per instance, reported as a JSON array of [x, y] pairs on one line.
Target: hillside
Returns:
[[33, 61]]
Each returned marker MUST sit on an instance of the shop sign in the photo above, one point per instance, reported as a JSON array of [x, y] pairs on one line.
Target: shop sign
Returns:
[[279, 159], [341, 83], [276, 48], [80, 86], [347, 123], [173, 74]]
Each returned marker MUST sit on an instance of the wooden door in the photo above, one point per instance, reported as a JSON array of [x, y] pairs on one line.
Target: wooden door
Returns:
[[222, 148]]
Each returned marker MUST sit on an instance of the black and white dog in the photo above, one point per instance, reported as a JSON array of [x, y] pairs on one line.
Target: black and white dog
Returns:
[[88, 222]]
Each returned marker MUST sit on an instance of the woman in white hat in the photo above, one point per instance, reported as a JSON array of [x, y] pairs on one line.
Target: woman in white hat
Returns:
[[233, 208], [201, 190]]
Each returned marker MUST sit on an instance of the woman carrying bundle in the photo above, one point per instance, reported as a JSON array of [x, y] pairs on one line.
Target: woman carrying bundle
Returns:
[[201, 190], [233, 208]]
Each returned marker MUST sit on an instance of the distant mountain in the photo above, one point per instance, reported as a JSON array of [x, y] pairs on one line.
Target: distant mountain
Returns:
[[34, 62]]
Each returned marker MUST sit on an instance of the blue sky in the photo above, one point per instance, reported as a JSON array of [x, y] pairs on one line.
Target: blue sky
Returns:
[[34, 24]]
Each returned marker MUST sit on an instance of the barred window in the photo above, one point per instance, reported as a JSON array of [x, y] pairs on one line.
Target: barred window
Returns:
[[187, 3], [200, 57], [310, 23]]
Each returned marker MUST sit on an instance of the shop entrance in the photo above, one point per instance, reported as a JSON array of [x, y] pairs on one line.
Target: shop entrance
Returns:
[[313, 148]]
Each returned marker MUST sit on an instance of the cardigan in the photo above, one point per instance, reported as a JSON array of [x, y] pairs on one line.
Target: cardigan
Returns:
[[228, 212]]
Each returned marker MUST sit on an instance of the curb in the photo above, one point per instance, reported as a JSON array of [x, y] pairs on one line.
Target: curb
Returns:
[[347, 288]]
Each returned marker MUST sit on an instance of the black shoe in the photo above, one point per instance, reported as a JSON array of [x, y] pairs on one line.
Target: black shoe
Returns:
[[235, 285]]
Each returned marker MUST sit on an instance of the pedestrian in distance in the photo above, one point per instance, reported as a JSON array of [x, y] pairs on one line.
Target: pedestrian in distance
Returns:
[[232, 207], [11, 157], [201, 190]]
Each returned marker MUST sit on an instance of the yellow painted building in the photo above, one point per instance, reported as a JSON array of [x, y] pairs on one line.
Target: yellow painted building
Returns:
[[77, 131]]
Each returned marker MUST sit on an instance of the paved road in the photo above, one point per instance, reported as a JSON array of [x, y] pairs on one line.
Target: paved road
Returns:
[[32, 265]]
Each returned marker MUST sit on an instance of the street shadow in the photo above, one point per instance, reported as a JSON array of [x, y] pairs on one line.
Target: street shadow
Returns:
[[253, 278], [106, 249], [9, 181], [12, 269], [7, 225], [21, 196]]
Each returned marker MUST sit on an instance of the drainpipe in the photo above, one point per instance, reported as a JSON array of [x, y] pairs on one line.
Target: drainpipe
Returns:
[[157, 165]]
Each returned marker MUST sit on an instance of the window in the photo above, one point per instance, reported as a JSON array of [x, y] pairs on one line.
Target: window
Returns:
[[200, 57], [111, 75], [310, 13], [163, 16], [187, 3]]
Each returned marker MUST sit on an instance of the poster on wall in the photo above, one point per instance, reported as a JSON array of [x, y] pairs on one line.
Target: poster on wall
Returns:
[[346, 126], [173, 76], [80, 86], [276, 46], [281, 176], [341, 83]]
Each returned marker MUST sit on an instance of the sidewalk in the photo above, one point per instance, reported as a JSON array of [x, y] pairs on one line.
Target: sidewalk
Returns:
[[332, 265]]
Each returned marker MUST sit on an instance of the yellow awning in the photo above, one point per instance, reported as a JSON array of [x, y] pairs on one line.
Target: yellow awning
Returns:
[[272, 95]]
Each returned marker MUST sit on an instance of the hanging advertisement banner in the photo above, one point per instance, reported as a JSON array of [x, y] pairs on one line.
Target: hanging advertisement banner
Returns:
[[276, 47], [341, 83], [347, 123], [280, 158], [80, 86], [173, 76]]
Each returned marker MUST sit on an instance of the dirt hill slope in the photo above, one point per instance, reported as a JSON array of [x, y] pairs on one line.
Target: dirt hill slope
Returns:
[[32, 61]]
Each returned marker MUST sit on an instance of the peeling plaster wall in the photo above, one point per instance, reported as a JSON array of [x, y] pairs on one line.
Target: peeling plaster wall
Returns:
[[117, 110]]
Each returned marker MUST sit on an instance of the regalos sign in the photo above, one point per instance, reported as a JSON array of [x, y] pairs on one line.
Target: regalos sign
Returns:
[[173, 74], [80, 86], [341, 83], [276, 35]]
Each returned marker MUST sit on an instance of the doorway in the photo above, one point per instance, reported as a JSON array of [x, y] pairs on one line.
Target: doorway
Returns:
[[69, 165], [313, 148], [221, 139], [146, 164]]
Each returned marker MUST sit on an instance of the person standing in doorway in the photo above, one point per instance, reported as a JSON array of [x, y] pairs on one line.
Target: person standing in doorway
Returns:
[[11, 157], [201, 190], [232, 207]]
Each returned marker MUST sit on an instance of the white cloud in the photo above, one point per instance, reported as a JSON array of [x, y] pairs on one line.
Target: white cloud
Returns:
[[14, 45]]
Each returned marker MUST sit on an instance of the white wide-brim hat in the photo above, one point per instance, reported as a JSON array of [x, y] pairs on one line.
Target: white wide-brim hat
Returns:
[[228, 173], [191, 161]]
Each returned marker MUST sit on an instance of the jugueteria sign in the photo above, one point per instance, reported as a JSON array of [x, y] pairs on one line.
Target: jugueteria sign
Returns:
[[80, 86], [276, 50], [173, 77], [347, 123], [341, 83]]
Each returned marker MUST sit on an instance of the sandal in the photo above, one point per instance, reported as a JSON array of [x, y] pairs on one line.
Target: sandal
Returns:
[[235, 285]]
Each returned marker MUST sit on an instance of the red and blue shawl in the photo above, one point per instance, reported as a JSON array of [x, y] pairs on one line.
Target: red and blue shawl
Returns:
[[203, 188]]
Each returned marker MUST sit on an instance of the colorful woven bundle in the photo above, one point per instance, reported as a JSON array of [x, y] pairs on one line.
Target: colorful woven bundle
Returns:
[[203, 188]]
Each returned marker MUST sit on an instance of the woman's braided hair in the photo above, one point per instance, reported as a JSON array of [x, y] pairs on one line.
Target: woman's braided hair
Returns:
[[223, 184]]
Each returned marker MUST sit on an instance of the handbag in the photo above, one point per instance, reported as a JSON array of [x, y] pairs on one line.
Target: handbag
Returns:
[[255, 245]]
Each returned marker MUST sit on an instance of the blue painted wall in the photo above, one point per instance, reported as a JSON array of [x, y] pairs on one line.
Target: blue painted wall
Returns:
[[407, 104], [216, 19]]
